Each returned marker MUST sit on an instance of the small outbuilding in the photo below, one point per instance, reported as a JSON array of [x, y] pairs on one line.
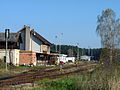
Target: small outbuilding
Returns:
[[85, 57], [63, 58]]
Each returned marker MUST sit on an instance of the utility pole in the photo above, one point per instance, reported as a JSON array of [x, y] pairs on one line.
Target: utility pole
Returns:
[[78, 51], [60, 39], [89, 51], [82, 51], [7, 32], [60, 43], [56, 44], [59, 50]]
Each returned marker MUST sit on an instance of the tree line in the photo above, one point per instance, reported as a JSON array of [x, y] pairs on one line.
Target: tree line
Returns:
[[74, 51]]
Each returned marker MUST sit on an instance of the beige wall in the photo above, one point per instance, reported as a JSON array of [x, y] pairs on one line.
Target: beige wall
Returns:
[[45, 49], [13, 55]]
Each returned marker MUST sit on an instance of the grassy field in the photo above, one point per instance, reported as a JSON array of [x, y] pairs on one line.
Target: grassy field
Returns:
[[102, 78], [17, 69]]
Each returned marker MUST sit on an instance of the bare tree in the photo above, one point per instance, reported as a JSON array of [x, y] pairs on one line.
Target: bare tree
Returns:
[[108, 29]]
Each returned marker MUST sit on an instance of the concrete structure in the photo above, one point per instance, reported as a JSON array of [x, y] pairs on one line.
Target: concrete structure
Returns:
[[85, 57], [13, 56], [32, 47], [70, 59], [33, 42], [13, 48], [65, 59], [62, 57]]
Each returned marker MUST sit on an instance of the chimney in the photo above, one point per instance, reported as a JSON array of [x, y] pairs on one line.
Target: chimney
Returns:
[[27, 38]]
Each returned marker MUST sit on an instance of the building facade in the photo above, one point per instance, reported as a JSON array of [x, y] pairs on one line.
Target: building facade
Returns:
[[32, 47]]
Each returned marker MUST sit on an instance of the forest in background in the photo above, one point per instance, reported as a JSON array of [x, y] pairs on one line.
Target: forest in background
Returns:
[[73, 51]]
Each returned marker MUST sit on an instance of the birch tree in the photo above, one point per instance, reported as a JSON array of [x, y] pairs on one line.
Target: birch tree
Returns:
[[108, 29]]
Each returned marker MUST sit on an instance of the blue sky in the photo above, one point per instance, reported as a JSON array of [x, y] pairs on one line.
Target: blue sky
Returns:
[[76, 19]]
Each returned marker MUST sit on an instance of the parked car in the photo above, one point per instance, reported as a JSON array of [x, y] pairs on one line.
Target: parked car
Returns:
[[61, 63]]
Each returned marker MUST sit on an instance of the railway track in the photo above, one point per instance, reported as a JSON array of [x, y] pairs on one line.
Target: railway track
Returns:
[[38, 74]]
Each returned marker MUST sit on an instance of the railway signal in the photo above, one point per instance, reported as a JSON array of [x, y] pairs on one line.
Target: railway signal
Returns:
[[7, 35]]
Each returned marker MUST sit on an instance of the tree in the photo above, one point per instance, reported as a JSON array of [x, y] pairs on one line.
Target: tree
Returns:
[[108, 29], [70, 52]]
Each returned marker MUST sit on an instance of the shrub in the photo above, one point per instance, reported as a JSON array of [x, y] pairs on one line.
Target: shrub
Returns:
[[2, 64], [101, 79]]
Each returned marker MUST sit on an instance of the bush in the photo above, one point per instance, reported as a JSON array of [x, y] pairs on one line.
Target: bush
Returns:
[[62, 84], [2, 63]]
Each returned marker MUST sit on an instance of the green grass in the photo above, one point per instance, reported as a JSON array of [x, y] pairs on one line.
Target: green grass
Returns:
[[101, 78], [16, 69]]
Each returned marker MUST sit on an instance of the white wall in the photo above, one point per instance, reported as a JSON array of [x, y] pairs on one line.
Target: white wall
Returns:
[[64, 58], [70, 59], [85, 57], [35, 44], [13, 55]]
